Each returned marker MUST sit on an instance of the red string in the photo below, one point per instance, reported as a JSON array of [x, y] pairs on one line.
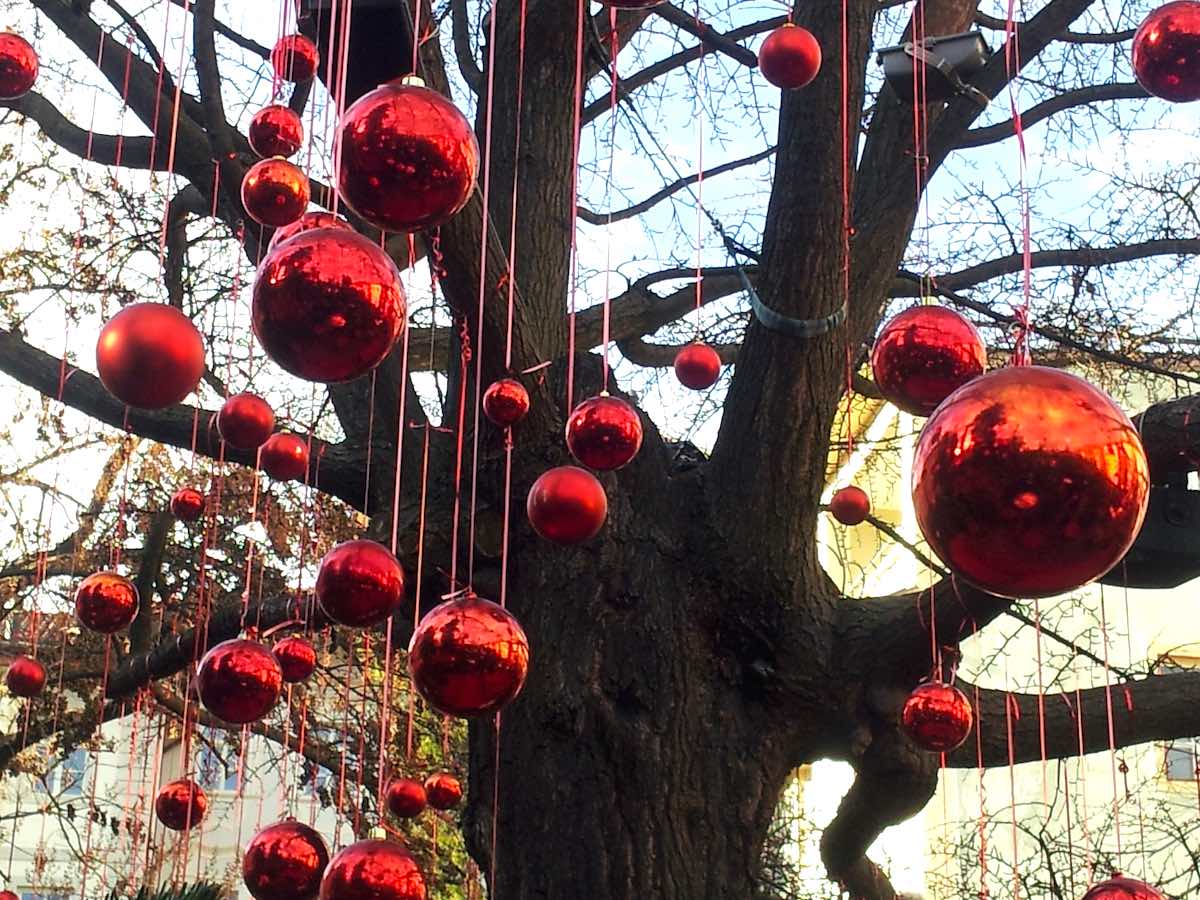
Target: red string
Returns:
[[1021, 313], [582, 11]]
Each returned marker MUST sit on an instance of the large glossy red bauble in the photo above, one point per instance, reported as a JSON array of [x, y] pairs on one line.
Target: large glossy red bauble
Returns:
[[360, 583], [328, 305], [408, 157], [297, 658], [284, 861], [18, 66], [697, 366], [790, 57], [1121, 888], [239, 681], [150, 355], [604, 433], [26, 677], [245, 421], [937, 716], [105, 602], [187, 504], [275, 192], [443, 790], [285, 457], [373, 870], [295, 58], [405, 798], [1166, 51], [181, 805], [310, 221], [1029, 482], [850, 505], [567, 505], [505, 402], [276, 130], [923, 355], [468, 657]]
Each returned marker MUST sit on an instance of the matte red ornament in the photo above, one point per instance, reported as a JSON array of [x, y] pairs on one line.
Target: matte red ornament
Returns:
[[285, 861], [408, 157], [405, 798], [26, 677], [505, 402], [181, 805], [790, 57], [276, 130], [850, 505], [239, 681], [310, 221], [1121, 888], [18, 66], [295, 58], [285, 457], [604, 433], [275, 192], [1030, 482], [328, 305], [373, 870], [697, 366], [923, 355], [468, 657], [937, 716], [187, 504], [105, 602], [150, 355], [245, 421], [8, 895], [297, 658], [443, 790], [360, 583], [1166, 52], [567, 505]]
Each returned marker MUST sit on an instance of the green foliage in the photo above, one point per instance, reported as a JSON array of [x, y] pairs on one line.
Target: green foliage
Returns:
[[201, 890]]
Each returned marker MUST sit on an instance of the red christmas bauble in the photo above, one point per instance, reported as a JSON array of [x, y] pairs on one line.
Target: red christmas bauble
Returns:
[[285, 457], [1029, 482], [697, 366], [150, 355], [443, 790], [328, 305], [1166, 52], [373, 870], [295, 58], [567, 505], [275, 192], [937, 716], [26, 677], [925, 354], [239, 681], [245, 421], [405, 798], [505, 402], [187, 504], [18, 66], [105, 602], [181, 805], [310, 221], [297, 658], [1121, 888], [790, 57], [604, 433], [360, 583], [276, 130], [284, 861], [8, 895], [408, 157], [850, 505], [468, 657]]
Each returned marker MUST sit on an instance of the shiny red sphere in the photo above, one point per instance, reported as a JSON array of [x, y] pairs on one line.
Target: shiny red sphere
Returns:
[[276, 130], [275, 192], [18, 66], [150, 355], [187, 504], [373, 870], [105, 602], [443, 790], [937, 716], [8, 895], [285, 457], [297, 658], [245, 421], [295, 58], [850, 505], [468, 657], [1030, 482], [1121, 888], [604, 433], [567, 505], [925, 354], [360, 583], [181, 805], [697, 366], [328, 305], [26, 677], [790, 57], [405, 798], [408, 157], [1166, 52], [284, 861], [505, 402], [239, 681], [310, 221]]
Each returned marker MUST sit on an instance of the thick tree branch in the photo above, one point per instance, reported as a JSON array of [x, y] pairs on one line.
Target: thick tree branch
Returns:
[[977, 137], [1067, 37], [107, 149], [715, 40], [141, 629], [1171, 435]]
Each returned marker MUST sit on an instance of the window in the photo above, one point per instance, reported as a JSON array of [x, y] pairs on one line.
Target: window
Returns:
[[211, 771], [1181, 755], [29, 895], [68, 778]]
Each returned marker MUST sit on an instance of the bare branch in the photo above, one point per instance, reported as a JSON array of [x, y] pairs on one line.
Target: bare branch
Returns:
[[977, 137], [1067, 37], [711, 38], [108, 149]]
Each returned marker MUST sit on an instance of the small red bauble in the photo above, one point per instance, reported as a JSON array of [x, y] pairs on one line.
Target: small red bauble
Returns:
[[297, 658], [239, 681], [697, 366], [790, 57], [1166, 52], [18, 66], [468, 657], [1121, 888], [245, 421], [187, 504], [295, 58], [408, 157], [310, 221], [604, 433], [925, 354], [443, 790], [1029, 482], [275, 192], [106, 602], [937, 716], [373, 870], [567, 505], [150, 355], [285, 457], [276, 131], [405, 798], [850, 505], [26, 677], [505, 402], [181, 805], [360, 583], [8, 895], [328, 305], [284, 861]]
